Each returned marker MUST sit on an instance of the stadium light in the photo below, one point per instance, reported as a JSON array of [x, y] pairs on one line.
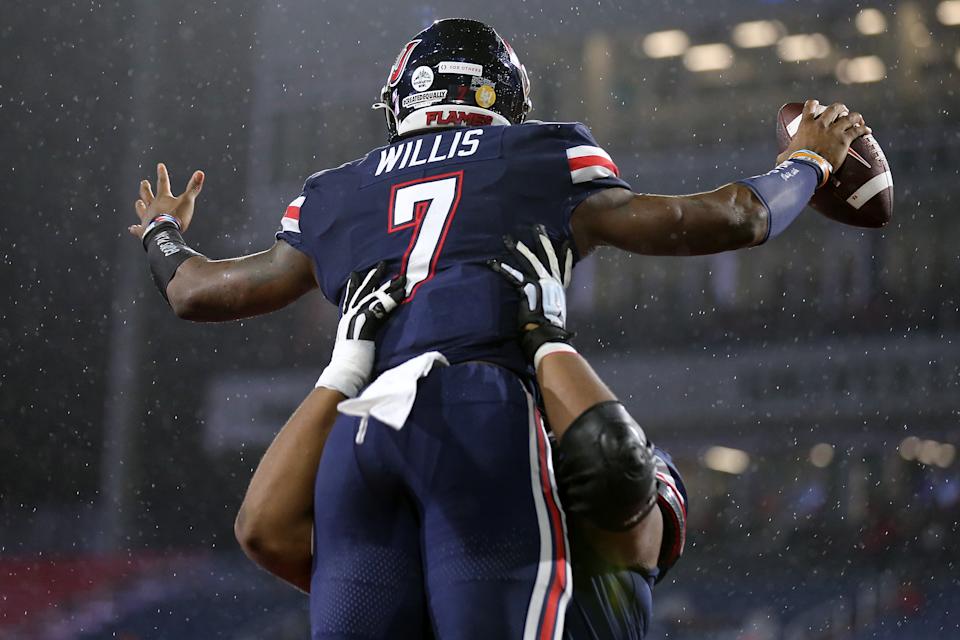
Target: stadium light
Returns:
[[862, 69], [919, 33], [804, 46], [948, 12], [757, 33], [908, 447], [928, 452], [945, 455], [666, 44], [871, 22], [821, 455], [726, 460], [708, 57]]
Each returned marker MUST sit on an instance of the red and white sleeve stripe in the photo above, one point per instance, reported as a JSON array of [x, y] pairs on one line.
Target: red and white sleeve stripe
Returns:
[[589, 163], [291, 217]]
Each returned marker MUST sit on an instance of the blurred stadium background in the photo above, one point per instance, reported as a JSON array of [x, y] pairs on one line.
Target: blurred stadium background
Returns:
[[809, 388]]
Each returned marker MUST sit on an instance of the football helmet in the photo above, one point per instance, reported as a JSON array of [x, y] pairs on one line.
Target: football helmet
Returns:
[[455, 72]]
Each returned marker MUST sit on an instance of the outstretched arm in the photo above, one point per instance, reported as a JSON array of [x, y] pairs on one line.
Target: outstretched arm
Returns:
[[213, 290], [207, 290], [731, 217], [570, 388], [604, 465], [275, 522], [735, 216]]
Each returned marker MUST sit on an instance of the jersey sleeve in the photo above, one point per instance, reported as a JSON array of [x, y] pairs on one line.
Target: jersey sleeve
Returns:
[[589, 167], [309, 225], [562, 165], [290, 223], [672, 500]]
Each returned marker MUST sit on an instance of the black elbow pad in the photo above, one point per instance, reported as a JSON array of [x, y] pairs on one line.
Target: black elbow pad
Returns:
[[606, 471]]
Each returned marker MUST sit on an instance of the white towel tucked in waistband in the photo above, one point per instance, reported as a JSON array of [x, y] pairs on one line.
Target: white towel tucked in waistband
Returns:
[[390, 397]]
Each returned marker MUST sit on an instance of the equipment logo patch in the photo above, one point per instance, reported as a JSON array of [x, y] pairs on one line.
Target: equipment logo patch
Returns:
[[422, 78], [485, 96]]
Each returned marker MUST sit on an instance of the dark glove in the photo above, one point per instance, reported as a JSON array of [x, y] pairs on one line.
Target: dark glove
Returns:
[[540, 275], [367, 302]]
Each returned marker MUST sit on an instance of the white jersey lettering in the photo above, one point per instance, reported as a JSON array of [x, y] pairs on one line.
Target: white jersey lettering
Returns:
[[408, 154], [388, 159]]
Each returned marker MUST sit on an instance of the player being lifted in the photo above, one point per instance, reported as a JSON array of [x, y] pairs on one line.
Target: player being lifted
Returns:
[[612, 573], [462, 170]]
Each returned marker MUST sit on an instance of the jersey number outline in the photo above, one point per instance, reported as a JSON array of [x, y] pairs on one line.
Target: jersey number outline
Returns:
[[427, 205]]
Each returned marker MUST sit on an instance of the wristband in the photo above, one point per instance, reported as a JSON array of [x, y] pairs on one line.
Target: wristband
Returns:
[[350, 365], [784, 192], [532, 341], [166, 251], [822, 164], [551, 347], [157, 220]]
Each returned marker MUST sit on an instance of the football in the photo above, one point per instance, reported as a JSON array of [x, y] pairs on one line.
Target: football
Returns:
[[860, 191]]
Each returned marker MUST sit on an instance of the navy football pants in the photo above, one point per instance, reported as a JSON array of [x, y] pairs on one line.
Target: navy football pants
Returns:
[[448, 528]]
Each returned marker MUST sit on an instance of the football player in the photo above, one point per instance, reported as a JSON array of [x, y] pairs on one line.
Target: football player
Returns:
[[463, 168], [608, 474]]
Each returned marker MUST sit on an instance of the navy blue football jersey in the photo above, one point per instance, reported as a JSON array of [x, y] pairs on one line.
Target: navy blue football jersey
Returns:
[[435, 207]]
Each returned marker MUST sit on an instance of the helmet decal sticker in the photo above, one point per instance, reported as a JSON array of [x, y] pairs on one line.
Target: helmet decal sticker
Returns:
[[423, 99], [401, 63], [485, 96], [476, 83], [466, 68], [422, 78]]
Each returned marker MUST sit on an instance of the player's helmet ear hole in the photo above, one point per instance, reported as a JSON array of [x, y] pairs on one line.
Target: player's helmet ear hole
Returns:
[[455, 72]]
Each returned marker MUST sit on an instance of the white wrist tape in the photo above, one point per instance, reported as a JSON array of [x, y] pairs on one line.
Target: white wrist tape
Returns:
[[550, 347], [350, 366]]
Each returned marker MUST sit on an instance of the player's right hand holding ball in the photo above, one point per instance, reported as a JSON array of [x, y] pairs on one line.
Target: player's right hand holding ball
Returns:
[[826, 131]]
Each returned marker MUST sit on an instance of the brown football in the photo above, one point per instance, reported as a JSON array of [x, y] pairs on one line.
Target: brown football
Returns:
[[860, 192]]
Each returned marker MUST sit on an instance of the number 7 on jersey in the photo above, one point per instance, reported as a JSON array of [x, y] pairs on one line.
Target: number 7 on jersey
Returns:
[[427, 205]]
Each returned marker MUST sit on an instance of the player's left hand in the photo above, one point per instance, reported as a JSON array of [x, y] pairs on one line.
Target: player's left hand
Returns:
[[540, 275], [367, 301], [149, 206]]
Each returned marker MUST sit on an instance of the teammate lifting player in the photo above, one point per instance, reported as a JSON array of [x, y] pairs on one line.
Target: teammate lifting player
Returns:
[[462, 170], [612, 572]]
